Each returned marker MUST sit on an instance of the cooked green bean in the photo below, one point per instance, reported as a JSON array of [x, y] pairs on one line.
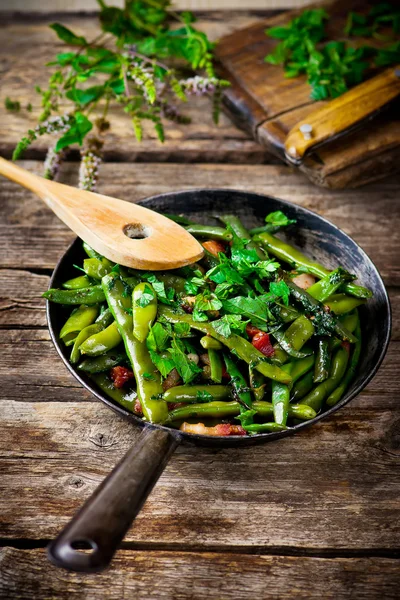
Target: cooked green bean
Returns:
[[91, 295], [79, 319], [337, 393], [77, 283], [325, 287], [192, 393], [102, 363], [302, 387], [210, 343], [96, 268], [215, 365], [144, 310], [127, 399], [323, 361], [102, 341], [209, 231], [341, 304], [295, 258]]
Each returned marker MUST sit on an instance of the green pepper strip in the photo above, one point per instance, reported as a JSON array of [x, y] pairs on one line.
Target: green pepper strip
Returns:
[[230, 409], [316, 397], [215, 365], [295, 258], [317, 309], [102, 363], [302, 387], [91, 295], [149, 391], [240, 230], [244, 349], [119, 395], [323, 361], [103, 341], [77, 283], [341, 304], [78, 320], [96, 268], [190, 393], [143, 316], [210, 232], [328, 285], [337, 394]]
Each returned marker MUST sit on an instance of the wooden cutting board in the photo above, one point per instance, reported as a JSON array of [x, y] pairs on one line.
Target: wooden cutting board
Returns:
[[266, 104]]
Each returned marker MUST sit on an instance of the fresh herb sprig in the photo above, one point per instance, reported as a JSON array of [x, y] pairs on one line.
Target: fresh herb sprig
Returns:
[[135, 64], [333, 67]]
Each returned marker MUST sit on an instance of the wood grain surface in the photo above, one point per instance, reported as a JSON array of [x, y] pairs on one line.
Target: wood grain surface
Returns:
[[312, 516]]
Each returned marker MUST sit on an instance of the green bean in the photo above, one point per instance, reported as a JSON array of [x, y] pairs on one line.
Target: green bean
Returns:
[[341, 304], [301, 367], [257, 383], [105, 362], [143, 316], [323, 361], [77, 283], [302, 387], [239, 229], [287, 314], [209, 231], [149, 390], [79, 319], [244, 349], [102, 341], [319, 394], [349, 321], [317, 309], [280, 400], [295, 258], [96, 268], [218, 409], [191, 393], [264, 427], [81, 337], [90, 252], [91, 295], [297, 334], [215, 365], [337, 394], [286, 345], [178, 219], [328, 285], [210, 343], [240, 388], [268, 227], [172, 281], [127, 399]]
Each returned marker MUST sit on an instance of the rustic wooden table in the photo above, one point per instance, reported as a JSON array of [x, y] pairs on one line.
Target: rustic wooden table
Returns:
[[313, 516]]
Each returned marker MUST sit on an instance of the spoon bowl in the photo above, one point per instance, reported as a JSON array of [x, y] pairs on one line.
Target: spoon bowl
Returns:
[[125, 233]]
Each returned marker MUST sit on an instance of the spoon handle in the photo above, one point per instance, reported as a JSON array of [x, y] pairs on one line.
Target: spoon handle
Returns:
[[28, 180]]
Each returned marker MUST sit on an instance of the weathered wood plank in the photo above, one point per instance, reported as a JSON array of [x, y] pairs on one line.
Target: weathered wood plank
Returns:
[[21, 304], [199, 141], [340, 475], [150, 575], [31, 237]]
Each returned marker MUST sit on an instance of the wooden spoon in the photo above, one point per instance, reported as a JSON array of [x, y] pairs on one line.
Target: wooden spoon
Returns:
[[125, 233]]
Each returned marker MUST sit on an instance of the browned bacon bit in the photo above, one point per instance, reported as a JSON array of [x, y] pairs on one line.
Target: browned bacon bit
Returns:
[[251, 331], [171, 380], [120, 375], [262, 342], [213, 247], [223, 429], [188, 303], [138, 407]]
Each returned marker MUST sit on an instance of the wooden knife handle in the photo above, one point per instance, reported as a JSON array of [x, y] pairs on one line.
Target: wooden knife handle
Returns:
[[342, 114]]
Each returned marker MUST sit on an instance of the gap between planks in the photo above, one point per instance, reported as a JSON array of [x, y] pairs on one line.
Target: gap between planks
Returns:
[[151, 547]]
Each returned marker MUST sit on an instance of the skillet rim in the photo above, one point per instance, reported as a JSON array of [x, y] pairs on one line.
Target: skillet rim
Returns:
[[228, 441]]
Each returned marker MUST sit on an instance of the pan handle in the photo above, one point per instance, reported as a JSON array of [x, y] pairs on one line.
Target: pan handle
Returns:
[[91, 538]]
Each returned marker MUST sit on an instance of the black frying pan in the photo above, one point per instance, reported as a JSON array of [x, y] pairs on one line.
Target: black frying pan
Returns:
[[90, 540]]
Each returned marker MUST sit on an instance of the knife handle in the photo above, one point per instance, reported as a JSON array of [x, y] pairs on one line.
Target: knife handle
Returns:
[[341, 115]]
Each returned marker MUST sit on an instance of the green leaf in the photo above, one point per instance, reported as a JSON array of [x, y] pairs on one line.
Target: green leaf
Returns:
[[187, 369], [204, 396], [229, 324], [158, 338], [67, 36], [83, 97], [279, 219], [146, 297], [163, 363], [182, 329], [76, 133]]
